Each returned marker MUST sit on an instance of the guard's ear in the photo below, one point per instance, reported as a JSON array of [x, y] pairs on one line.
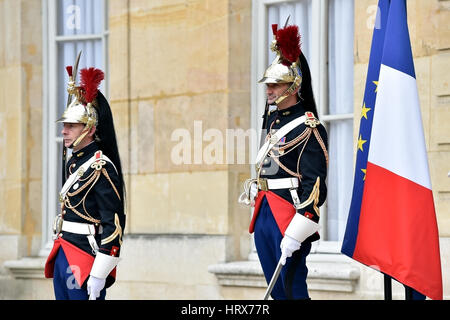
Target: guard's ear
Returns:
[[92, 131]]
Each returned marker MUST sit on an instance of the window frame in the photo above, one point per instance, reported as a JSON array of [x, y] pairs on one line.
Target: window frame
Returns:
[[50, 139]]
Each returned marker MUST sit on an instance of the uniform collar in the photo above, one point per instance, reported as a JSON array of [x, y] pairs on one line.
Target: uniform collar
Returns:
[[292, 110], [86, 151]]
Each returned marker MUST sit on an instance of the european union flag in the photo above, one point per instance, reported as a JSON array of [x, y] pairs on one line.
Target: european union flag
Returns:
[[365, 126]]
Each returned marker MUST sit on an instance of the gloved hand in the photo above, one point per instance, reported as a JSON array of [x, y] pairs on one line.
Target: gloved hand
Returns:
[[288, 246], [94, 286]]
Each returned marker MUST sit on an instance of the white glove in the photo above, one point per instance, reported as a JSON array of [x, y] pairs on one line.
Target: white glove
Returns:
[[94, 286], [288, 246]]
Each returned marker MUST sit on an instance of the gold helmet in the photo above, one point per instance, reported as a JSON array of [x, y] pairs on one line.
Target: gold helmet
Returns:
[[285, 68], [81, 109]]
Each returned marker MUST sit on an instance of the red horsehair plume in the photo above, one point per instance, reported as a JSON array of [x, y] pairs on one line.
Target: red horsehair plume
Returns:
[[90, 79], [69, 70], [274, 29], [288, 42]]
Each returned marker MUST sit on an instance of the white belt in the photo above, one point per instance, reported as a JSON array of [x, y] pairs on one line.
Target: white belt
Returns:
[[80, 228], [282, 183]]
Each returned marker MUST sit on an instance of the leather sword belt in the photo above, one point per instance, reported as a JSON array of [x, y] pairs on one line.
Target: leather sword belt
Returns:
[[80, 228], [282, 183], [85, 229]]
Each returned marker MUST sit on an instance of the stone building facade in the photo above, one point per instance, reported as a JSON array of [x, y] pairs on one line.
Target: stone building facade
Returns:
[[181, 84]]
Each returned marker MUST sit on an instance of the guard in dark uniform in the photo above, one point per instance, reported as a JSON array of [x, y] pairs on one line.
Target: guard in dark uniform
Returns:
[[89, 229], [291, 170]]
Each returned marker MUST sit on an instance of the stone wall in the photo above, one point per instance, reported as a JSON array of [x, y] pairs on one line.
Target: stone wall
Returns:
[[179, 74], [20, 128], [180, 69]]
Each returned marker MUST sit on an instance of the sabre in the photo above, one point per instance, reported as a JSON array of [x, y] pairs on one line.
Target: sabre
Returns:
[[287, 20], [75, 71], [274, 279]]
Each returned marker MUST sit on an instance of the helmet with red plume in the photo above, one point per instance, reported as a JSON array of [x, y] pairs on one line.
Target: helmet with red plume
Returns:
[[285, 68], [81, 108]]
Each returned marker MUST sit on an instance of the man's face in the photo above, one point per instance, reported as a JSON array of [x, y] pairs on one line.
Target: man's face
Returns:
[[70, 132], [275, 90]]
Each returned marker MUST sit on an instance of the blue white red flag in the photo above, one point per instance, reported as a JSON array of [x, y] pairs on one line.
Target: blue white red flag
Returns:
[[392, 221]]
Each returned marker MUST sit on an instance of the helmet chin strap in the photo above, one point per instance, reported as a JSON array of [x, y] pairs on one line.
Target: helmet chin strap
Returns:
[[288, 92], [80, 138], [294, 87]]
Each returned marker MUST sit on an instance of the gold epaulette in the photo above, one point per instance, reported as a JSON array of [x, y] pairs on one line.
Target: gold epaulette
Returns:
[[99, 162], [311, 120]]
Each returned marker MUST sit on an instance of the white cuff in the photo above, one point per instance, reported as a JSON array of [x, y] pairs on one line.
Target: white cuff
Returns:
[[103, 265], [301, 228]]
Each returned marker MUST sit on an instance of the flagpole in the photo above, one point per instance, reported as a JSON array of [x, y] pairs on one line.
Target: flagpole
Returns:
[[387, 287], [408, 293]]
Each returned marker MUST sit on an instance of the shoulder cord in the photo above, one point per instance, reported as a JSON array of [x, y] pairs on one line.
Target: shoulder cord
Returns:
[[322, 144], [91, 177], [105, 173], [95, 175], [291, 144], [302, 138], [95, 178]]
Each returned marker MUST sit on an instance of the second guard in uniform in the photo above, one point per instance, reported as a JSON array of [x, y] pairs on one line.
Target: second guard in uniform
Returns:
[[89, 229], [291, 170]]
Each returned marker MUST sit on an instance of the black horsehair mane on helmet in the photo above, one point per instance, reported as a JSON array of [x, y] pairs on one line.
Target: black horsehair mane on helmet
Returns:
[[306, 92], [106, 137]]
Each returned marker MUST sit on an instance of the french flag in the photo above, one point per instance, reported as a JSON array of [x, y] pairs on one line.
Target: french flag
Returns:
[[392, 223]]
